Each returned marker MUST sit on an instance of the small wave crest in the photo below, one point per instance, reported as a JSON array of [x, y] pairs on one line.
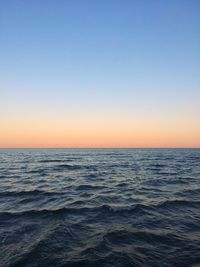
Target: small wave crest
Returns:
[[29, 193], [66, 210]]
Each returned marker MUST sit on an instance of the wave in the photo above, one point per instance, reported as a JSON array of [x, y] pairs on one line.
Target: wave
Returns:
[[67, 167], [129, 236], [165, 182], [108, 209], [73, 167], [39, 171], [59, 160], [123, 184], [29, 193], [65, 210], [194, 158], [158, 165], [194, 193], [88, 187], [179, 203], [52, 160]]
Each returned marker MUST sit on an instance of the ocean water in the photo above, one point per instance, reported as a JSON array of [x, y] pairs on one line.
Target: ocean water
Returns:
[[100, 207]]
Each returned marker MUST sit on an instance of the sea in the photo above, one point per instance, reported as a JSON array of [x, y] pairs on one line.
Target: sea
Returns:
[[99, 207]]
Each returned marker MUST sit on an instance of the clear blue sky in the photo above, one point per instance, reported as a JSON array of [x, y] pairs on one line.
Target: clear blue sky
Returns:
[[140, 59]]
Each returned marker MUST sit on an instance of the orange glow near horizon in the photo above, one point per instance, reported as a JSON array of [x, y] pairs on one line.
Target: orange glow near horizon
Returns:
[[94, 134]]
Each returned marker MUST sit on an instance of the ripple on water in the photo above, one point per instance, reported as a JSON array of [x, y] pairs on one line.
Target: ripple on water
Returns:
[[100, 207]]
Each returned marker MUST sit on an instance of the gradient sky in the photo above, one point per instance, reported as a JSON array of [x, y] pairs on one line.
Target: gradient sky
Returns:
[[100, 73]]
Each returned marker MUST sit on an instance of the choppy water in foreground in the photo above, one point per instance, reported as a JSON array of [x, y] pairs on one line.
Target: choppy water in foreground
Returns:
[[100, 207]]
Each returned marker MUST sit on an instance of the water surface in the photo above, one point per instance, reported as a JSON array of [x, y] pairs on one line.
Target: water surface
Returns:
[[99, 207]]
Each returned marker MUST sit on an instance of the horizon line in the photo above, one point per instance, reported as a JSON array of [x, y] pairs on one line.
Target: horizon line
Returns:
[[99, 147]]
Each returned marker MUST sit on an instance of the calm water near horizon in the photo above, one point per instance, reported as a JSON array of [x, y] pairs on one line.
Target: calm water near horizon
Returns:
[[99, 207]]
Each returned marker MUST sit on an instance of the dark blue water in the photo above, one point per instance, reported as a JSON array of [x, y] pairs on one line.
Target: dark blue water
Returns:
[[100, 207]]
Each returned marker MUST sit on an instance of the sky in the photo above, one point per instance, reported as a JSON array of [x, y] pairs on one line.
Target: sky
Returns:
[[108, 73]]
